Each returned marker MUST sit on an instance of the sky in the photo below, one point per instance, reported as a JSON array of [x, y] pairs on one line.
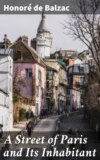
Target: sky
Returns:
[[19, 25]]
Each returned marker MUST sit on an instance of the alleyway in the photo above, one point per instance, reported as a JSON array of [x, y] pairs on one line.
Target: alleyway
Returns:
[[46, 125]]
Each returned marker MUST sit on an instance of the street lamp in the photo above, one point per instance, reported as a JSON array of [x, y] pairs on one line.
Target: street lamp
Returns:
[[98, 98]]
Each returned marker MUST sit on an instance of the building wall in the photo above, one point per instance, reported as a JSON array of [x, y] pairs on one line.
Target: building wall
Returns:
[[75, 92], [40, 86], [76, 75], [29, 90], [75, 102], [6, 69], [6, 73], [62, 89], [61, 84], [71, 62], [4, 110]]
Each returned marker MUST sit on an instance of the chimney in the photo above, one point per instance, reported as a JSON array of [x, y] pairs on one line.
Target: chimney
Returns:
[[6, 41], [25, 39], [33, 43]]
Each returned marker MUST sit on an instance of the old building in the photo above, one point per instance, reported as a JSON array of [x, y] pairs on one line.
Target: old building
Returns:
[[51, 88], [76, 69], [4, 111], [86, 57], [76, 82], [33, 71], [60, 84], [6, 70], [64, 54]]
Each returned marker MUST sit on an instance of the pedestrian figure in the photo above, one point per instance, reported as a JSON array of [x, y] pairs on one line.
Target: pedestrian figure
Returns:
[[58, 126], [70, 131], [1, 130], [29, 128], [77, 132], [29, 114]]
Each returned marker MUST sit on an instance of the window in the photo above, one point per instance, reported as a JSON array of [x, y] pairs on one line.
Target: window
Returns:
[[37, 109], [81, 80], [81, 68], [68, 91], [42, 93], [37, 91], [68, 102], [70, 80], [29, 73], [39, 75]]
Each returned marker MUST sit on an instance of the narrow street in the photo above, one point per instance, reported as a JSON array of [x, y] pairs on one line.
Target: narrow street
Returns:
[[44, 128], [47, 126]]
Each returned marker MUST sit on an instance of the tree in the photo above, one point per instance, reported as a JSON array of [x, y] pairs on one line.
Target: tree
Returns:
[[86, 28]]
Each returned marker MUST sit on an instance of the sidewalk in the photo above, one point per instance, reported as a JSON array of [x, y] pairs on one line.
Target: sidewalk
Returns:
[[19, 126], [22, 124]]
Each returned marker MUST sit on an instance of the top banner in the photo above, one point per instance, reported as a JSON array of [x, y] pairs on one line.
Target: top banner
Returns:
[[50, 6]]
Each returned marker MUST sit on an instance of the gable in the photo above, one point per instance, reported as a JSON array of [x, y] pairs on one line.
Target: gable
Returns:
[[21, 53]]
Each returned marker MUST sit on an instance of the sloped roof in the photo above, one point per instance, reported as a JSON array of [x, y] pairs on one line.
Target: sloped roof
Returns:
[[32, 51]]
